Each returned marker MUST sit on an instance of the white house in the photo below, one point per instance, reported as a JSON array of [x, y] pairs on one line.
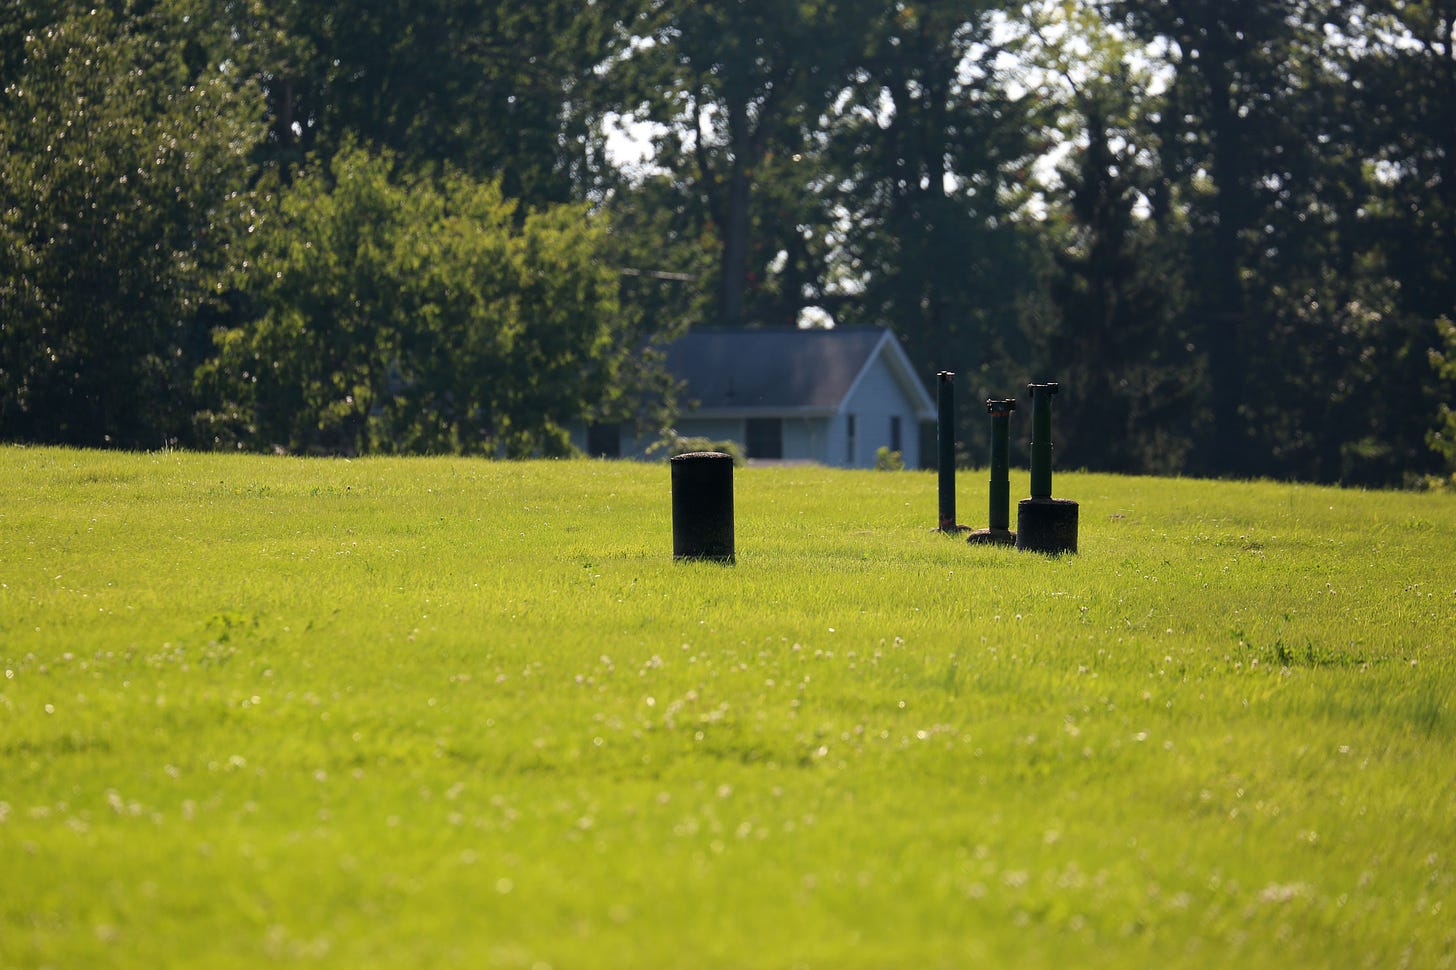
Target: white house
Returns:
[[828, 396]]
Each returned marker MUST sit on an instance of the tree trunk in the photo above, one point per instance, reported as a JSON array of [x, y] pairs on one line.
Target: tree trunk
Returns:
[[1225, 329], [733, 266], [734, 260]]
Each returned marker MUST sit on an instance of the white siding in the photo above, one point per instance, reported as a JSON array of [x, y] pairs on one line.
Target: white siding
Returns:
[[806, 439], [874, 401]]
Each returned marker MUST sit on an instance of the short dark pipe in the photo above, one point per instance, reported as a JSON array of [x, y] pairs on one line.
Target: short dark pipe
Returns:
[[946, 430], [702, 506], [1044, 524], [1041, 439], [998, 515]]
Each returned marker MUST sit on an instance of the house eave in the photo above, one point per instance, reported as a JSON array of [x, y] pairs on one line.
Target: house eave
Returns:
[[909, 382], [765, 411]]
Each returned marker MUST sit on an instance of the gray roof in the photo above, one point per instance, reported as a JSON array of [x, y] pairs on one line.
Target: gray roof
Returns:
[[767, 371]]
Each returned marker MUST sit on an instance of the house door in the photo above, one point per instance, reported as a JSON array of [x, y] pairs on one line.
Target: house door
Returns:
[[604, 440], [764, 437]]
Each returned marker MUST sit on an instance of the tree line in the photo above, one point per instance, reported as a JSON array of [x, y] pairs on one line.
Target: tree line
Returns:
[[1228, 229]]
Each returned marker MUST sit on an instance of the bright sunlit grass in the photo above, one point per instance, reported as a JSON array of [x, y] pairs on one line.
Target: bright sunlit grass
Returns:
[[458, 713]]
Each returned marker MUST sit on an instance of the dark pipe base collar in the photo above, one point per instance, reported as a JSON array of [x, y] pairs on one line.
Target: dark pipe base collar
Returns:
[[1047, 525], [992, 537]]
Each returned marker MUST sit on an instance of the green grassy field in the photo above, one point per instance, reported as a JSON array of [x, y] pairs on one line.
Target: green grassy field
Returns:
[[441, 712]]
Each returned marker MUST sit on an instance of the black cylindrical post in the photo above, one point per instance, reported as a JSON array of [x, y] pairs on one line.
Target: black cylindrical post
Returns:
[[999, 511], [702, 506], [946, 401], [998, 516], [1043, 523], [1041, 439]]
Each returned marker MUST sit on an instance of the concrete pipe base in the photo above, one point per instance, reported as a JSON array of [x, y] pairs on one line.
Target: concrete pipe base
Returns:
[[1047, 525], [992, 537]]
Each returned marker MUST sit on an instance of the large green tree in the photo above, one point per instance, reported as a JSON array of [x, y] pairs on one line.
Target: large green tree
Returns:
[[1110, 327], [738, 89], [499, 90], [124, 164], [1268, 152], [1230, 132], [1442, 438], [926, 162], [401, 312], [1400, 76]]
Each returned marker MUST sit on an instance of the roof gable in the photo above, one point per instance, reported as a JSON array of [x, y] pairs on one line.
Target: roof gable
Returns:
[[783, 370]]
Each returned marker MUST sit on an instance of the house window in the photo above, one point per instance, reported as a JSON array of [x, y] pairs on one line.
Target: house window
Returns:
[[849, 439], [604, 440], [765, 437], [895, 443]]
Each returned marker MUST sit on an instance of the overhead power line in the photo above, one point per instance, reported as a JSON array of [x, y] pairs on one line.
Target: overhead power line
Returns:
[[658, 274]]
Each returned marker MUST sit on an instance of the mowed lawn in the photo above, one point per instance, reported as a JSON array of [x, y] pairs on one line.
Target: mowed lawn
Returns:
[[448, 712]]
